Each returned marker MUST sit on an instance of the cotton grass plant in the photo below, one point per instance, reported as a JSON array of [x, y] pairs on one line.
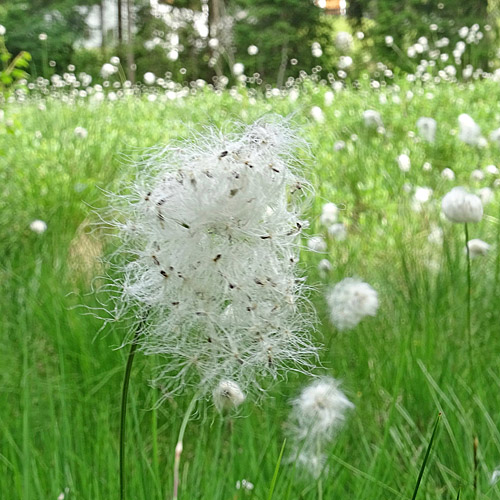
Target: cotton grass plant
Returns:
[[209, 234], [462, 207]]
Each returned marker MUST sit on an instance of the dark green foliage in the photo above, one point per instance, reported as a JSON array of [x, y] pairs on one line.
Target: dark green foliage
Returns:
[[62, 21], [407, 21], [282, 30], [12, 68]]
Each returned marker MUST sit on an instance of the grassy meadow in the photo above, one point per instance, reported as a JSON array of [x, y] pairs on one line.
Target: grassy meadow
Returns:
[[60, 382]]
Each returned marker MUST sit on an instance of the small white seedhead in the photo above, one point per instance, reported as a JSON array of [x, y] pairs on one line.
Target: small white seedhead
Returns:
[[317, 415], [427, 128], [38, 226], [477, 248], [460, 206], [228, 395], [469, 131], [372, 119], [350, 301]]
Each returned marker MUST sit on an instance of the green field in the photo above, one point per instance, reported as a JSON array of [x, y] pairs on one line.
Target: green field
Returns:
[[60, 382]]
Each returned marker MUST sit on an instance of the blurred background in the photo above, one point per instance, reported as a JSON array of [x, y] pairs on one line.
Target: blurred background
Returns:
[[268, 41]]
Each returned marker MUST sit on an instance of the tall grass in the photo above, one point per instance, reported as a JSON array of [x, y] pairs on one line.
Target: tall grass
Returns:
[[60, 382]]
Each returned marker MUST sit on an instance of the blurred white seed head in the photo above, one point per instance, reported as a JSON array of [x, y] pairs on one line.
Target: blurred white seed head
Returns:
[[149, 78], [338, 231], [244, 485], [495, 136], [339, 145], [350, 301], [317, 114], [38, 226], [329, 214], [372, 119], [227, 395], [324, 266], [448, 174], [435, 236], [495, 476], [317, 244], [477, 175], [81, 132], [107, 70], [469, 131], [487, 195], [317, 415], [427, 128], [238, 69], [491, 169], [343, 42], [477, 248], [328, 99], [253, 50], [460, 206], [209, 238], [404, 163]]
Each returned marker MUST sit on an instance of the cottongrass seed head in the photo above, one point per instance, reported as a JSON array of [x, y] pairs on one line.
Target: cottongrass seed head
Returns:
[[350, 301], [460, 206], [210, 231], [317, 415]]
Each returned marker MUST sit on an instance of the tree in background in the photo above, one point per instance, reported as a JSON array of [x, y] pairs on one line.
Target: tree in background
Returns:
[[282, 30], [406, 21], [44, 28]]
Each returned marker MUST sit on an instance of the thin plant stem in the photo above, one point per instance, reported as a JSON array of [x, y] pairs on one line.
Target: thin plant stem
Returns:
[[179, 446], [320, 489], [469, 287], [123, 414], [426, 457]]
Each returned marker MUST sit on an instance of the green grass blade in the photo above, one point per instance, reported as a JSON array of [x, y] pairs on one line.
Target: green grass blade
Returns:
[[426, 458], [276, 470]]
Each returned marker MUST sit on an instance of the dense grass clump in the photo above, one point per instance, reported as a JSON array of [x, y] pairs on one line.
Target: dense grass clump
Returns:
[[60, 380]]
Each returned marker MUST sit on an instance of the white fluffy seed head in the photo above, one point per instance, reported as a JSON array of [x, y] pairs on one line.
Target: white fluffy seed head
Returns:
[[338, 231], [227, 395], [372, 119], [343, 41], [460, 206], [38, 226], [320, 408], [404, 163], [350, 301], [487, 195], [469, 131], [477, 248], [325, 266], [427, 128], [317, 415], [81, 132], [329, 214], [209, 238], [317, 244]]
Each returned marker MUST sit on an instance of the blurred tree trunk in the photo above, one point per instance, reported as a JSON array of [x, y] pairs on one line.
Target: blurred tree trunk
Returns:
[[130, 41], [214, 17], [120, 25], [102, 24]]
